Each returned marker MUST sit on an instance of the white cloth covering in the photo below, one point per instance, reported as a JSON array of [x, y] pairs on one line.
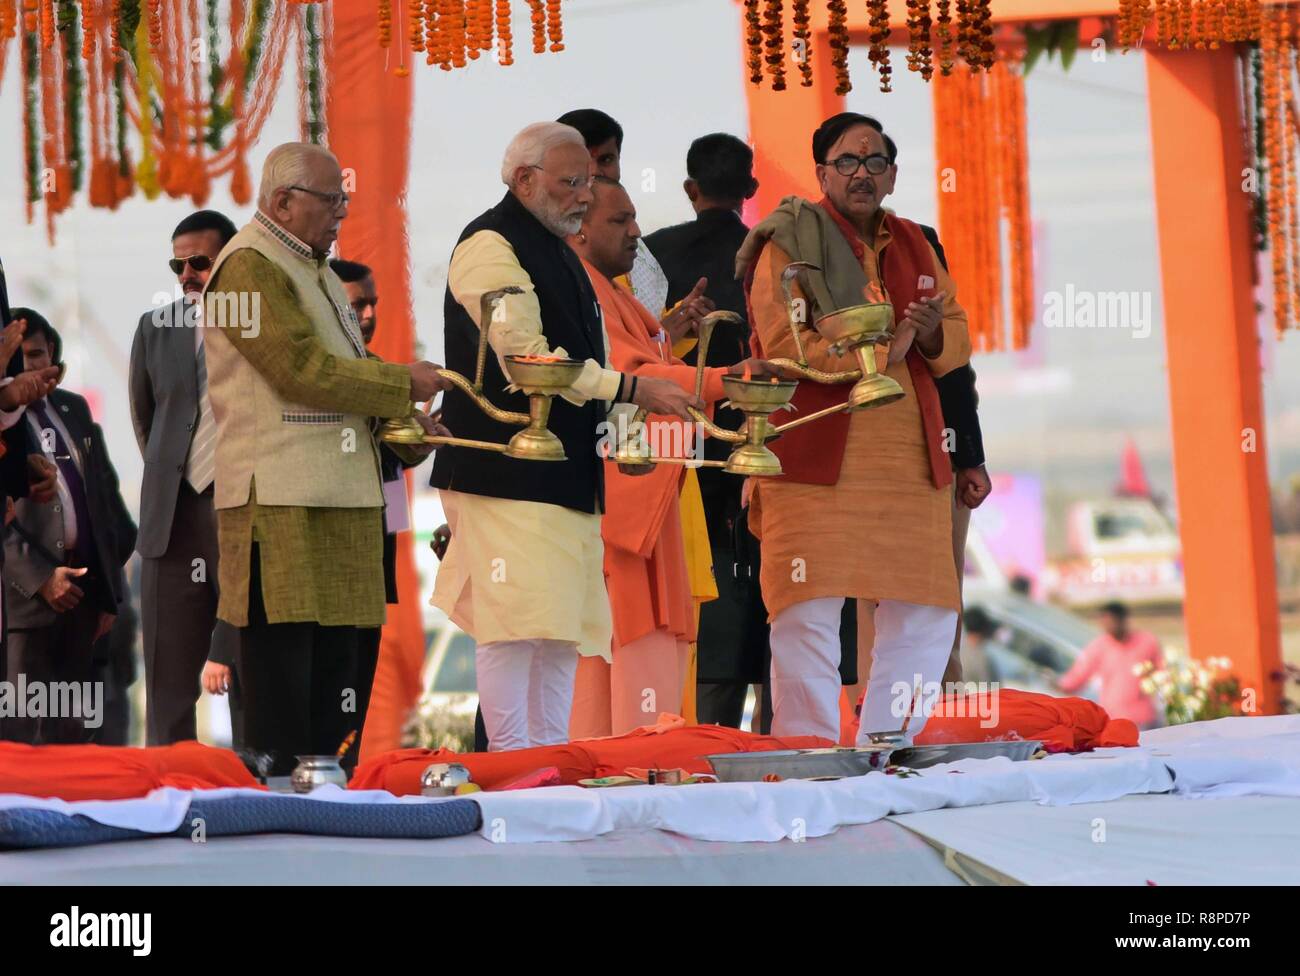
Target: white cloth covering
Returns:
[[1166, 840]]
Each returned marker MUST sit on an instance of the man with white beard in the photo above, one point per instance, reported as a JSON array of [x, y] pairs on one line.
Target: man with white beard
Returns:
[[524, 573]]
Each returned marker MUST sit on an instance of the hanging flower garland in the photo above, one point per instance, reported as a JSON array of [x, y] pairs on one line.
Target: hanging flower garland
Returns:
[[311, 97], [774, 43], [919, 55], [753, 42], [838, 30], [537, 12], [554, 26], [803, 36], [878, 21], [944, 37], [505, 40], [980, 143]]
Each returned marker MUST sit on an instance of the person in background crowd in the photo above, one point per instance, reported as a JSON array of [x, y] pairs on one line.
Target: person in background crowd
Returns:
[[698, 257], [1112, 660], [359, 286], [976, 662], [186, 648], [21, 472], [63, 557]]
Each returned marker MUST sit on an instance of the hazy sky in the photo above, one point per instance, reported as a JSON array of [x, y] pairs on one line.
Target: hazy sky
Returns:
[[670, 70]]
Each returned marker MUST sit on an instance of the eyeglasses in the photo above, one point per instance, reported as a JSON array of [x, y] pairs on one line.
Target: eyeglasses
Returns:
[[199, 262], [574, 182], [847, 165], [335, 200]]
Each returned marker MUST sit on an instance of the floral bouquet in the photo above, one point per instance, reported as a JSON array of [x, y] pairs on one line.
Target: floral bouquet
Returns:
[[1192, 691]]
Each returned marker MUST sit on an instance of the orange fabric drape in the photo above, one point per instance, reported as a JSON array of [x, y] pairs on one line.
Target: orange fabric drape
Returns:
[[682, 747], [368, 112], [116, 772]]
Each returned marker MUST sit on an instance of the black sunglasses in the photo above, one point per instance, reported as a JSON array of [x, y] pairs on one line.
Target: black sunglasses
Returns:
[[199, 262]]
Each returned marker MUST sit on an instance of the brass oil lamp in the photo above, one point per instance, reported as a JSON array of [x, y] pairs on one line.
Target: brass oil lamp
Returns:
[[539, 378]]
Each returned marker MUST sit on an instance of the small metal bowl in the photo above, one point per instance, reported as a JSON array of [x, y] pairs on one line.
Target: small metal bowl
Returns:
[[314, 771], [441, 779], [550, 376]]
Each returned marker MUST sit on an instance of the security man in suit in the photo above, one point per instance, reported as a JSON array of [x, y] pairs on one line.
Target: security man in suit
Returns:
[[63, 557], [184, 643]]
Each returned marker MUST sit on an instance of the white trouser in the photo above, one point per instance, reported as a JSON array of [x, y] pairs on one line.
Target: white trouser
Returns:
[[525, 688], [912, 645]]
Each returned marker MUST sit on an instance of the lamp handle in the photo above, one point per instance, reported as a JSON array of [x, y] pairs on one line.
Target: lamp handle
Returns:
[[793, 271], [487, 308]]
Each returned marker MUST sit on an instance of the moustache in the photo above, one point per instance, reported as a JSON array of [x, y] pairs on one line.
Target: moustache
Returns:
[[859, 186]]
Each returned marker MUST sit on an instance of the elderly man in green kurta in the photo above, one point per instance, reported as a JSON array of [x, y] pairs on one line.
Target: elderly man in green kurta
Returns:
[[293, 400]]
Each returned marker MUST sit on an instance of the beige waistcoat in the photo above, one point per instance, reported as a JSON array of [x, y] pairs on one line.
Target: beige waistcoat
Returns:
[[300, 456]]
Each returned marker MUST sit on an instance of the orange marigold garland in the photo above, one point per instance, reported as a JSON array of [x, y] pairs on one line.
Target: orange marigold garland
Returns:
[[943, 34], [505, 40], [385, 23], [554, 28], [803, 37], [1133, 18], [753, 42], [1273, 153], [981, 34], [774, 31], [538, 14], [435, 46], [878, 22], [838, 31], [456, 32], [919, 55], [415, 25], [964, 32]]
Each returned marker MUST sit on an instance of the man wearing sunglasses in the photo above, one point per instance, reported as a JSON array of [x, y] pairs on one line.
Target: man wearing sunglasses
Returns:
[[864, 510], [185, 647]]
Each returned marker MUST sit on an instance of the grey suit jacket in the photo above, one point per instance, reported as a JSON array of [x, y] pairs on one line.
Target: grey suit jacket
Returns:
[[112, 532], [164, 412], [164, 395]]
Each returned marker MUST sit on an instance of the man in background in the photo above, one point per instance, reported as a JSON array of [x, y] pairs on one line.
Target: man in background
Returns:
[[171, 413], [1112, 660], [63, 557], [697, 257], [359, 286]]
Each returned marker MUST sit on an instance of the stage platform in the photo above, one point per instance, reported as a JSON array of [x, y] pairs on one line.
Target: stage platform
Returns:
[[1212, 804]]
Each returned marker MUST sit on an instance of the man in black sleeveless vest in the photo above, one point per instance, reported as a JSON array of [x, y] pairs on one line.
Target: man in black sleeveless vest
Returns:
[[523, 573]]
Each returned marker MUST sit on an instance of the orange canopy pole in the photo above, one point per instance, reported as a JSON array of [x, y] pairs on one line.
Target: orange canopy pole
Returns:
[[1212, 338], [781, 125], [369, 122]]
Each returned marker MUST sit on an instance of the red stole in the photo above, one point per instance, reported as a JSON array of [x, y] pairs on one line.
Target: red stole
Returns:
[[813, 454]]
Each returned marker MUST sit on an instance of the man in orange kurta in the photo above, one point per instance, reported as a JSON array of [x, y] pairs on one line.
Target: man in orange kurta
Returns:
[[864, 509], [645, 559]]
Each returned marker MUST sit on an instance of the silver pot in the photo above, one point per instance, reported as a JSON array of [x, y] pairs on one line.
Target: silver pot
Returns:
[[441, 779], [314, 771]]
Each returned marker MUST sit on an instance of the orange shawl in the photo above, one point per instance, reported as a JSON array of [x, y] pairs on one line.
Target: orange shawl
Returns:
[[645, 559]]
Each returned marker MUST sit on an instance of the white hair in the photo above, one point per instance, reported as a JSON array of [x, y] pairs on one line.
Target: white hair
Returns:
[[288, 165], [531, 145]]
